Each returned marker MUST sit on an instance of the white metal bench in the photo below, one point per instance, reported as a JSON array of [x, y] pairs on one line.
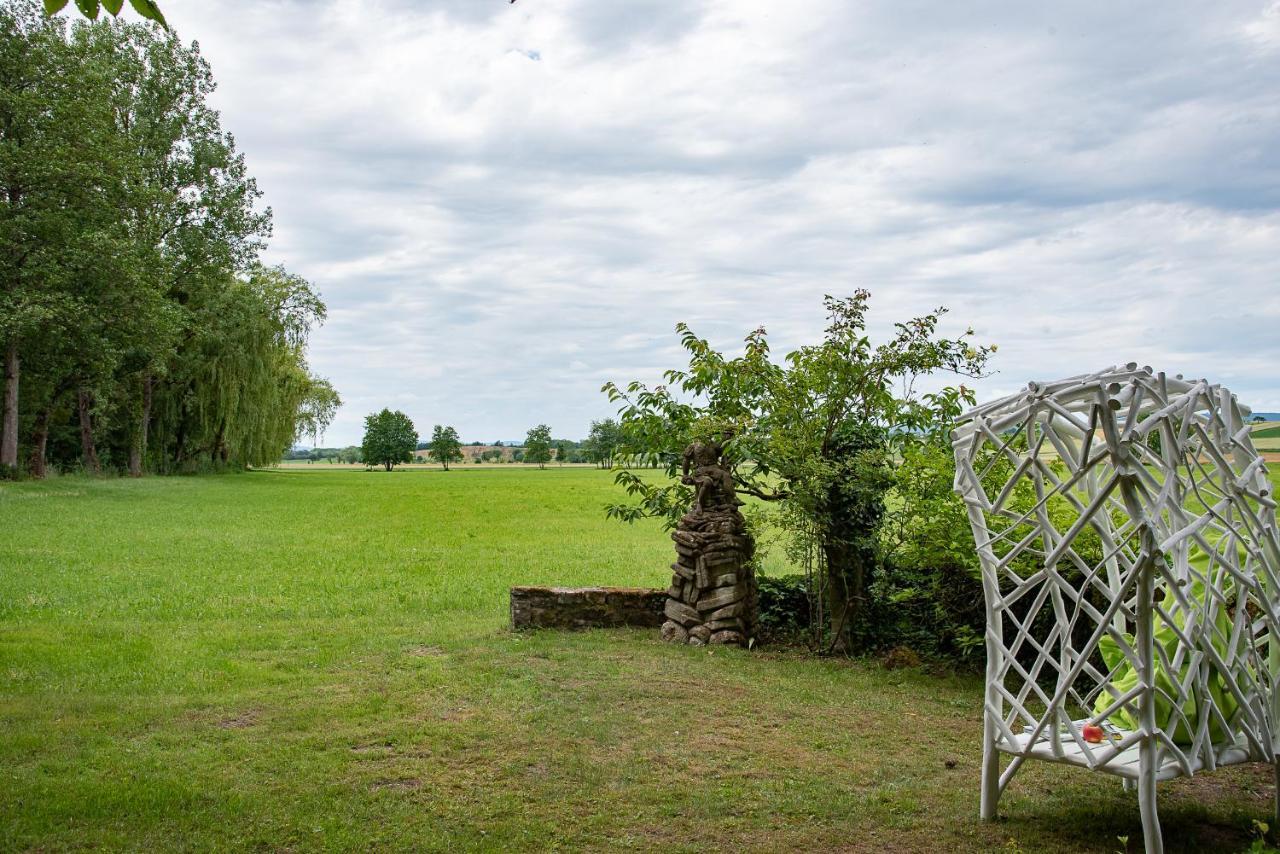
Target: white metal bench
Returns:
[[1127, 535]]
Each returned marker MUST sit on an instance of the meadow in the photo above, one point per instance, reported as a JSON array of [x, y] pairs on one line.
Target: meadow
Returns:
[[318, 658]]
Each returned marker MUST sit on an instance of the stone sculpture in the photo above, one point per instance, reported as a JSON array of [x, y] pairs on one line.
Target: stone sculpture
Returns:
[[712, 597]]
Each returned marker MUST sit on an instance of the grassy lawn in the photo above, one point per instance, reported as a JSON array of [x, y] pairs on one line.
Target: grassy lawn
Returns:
[[318, 659]]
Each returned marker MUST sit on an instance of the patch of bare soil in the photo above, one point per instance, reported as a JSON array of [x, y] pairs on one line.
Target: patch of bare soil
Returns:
[[425, 651], [402, 785]]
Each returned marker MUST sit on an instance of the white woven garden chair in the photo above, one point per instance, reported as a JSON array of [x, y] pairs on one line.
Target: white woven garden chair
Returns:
[[1130, 560]]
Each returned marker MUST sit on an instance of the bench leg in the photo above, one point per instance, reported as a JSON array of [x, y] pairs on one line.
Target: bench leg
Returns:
[[990, 777], [1150, 820]]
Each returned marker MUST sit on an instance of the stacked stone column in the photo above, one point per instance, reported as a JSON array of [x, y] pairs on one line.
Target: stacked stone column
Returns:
[[712, 597]]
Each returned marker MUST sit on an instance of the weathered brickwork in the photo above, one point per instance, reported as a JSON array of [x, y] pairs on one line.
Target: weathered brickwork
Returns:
[[585, 607]]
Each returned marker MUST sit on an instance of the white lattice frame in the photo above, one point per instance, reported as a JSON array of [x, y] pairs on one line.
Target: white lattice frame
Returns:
[[1203, 494]]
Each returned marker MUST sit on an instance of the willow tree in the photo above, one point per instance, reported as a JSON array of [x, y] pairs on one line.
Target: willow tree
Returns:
[[817, 433], [239, 392]]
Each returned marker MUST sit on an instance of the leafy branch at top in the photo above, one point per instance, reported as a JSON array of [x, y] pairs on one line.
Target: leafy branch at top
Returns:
[[90, 8]]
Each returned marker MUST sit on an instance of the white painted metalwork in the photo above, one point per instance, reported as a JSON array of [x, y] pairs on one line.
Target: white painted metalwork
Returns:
[[1130, 559]]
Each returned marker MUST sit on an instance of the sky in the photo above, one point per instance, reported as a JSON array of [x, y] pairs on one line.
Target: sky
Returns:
[[505, 205]]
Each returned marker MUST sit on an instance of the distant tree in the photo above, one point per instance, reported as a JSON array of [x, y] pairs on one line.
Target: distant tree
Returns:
[[1257, 419], [562, 452], [517, 456], [537, 446], [445, 447], [602, 442], [389, 438]]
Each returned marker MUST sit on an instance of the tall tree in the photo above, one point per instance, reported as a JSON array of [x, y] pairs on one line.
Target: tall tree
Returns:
[[389, 438], [134, 314], [58, 190], [537, 446], [818, 433], [445, 446]]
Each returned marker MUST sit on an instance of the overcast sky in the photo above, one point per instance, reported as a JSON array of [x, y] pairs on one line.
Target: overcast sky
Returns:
[[506, 205]]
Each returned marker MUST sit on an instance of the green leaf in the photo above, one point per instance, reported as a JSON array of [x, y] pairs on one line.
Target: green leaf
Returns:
[[113, 6], [53, 7], [148, 9], [89, 8]]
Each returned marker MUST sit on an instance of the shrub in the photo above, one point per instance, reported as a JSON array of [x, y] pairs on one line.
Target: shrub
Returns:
[[785, 611]]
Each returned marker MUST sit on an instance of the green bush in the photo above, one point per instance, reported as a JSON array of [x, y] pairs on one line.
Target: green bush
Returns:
[[785, 612]]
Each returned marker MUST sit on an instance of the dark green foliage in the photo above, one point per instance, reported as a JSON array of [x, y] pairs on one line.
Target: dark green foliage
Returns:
[[389, 438], [537, 446], [786, 607], [853, 509]]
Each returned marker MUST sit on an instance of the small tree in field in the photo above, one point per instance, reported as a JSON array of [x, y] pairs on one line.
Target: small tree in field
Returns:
[[537, 446], [445, 447], [389, 438], [562, 452]]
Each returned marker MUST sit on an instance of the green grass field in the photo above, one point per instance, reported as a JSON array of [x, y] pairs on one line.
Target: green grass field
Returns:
[[319, 660]]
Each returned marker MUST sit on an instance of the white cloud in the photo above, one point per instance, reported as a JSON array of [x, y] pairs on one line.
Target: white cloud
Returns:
[[496, 234]]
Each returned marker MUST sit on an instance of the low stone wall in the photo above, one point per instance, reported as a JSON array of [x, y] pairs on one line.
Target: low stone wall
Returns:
[[586, 607]]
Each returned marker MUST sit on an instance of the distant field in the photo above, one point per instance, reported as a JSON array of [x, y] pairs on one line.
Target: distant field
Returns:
[[319, 660], [1267, 439]]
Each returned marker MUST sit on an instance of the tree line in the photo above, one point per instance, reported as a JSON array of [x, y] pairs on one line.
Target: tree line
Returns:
[[390, 438], [139, 329]]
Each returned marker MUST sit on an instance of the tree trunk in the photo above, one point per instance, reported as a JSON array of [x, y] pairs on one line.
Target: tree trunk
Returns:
[[138, 449], [84, 402], [846, 593], [9, 422], [215, 452], [180, 438], [388, 464], [39, 441]]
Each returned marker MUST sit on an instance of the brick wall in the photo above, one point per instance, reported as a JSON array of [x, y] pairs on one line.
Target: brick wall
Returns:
[[585, 607]]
